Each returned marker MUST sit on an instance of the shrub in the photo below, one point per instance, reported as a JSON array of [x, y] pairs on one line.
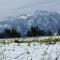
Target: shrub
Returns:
[[16, 41]]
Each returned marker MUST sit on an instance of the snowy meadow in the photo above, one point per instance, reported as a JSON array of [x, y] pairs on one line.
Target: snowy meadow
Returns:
[[34, 50]]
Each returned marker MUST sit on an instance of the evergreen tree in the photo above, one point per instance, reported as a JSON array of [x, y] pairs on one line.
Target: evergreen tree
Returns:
[[10, 33], [35, 31], [49, 33], [59, 31]]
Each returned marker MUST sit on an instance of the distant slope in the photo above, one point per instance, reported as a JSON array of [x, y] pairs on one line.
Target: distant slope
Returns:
[[43, 19]]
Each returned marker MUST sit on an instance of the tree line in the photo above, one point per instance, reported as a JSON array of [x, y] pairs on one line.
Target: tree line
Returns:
[[10, 33], [33, 32]]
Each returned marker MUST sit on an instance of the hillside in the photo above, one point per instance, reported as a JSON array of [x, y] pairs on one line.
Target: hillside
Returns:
[[43, 19]]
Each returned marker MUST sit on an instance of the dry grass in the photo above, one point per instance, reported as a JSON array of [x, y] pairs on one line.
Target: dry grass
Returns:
[[46, 41]]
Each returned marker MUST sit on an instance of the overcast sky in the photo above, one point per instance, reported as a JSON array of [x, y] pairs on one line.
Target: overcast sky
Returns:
[[16, 7]]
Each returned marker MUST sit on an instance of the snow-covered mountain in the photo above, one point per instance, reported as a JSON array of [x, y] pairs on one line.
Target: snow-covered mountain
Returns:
[[43, 19]]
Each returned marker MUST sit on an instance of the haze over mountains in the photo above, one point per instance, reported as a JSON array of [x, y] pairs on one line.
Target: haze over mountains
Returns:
[[43, 19]]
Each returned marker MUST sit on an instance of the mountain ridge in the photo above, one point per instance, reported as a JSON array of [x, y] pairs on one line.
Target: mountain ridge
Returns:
[[43, 19]]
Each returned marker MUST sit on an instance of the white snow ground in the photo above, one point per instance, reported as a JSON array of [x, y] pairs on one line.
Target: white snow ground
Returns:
[[29, 51]]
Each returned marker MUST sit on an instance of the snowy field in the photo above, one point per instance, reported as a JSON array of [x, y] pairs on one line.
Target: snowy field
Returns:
[[29, 51]]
